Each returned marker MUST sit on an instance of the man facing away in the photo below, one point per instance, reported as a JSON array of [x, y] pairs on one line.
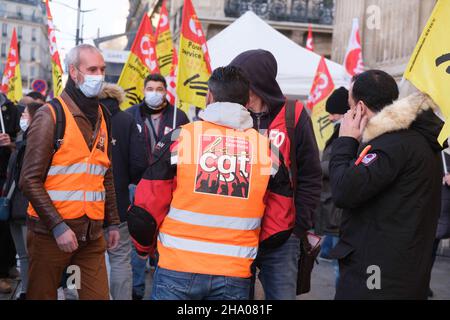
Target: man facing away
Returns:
[[269, 109], [154, 117], [71, 192], [391, 196], [204, 197]]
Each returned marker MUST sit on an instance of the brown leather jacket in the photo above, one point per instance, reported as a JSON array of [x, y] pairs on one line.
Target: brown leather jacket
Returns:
[[37, 159]]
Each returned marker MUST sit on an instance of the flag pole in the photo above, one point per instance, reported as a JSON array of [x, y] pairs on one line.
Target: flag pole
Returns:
[[444, 162], [2, 122], [175, 111]]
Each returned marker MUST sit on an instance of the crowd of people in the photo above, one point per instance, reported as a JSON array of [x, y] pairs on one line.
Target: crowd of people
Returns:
[[215, 203]]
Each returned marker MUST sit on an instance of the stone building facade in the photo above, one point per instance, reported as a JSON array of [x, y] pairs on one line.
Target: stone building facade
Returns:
[[389, 30], [30, 20]]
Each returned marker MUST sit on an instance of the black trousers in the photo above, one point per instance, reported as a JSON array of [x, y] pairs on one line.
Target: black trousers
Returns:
[[7, 250]]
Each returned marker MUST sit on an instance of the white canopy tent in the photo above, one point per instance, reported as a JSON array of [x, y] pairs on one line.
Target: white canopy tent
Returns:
[[296, 65]]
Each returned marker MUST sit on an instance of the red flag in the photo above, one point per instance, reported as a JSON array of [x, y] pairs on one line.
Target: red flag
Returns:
[[309, 41], [172, 79], [141, 62], [353, 61], [55, 60], [11, 84], [323, 85], [52, 37], [164, 44], [322, 88], [144, 45]]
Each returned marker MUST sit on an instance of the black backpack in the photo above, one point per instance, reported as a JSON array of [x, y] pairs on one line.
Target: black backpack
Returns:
[[60, 126]]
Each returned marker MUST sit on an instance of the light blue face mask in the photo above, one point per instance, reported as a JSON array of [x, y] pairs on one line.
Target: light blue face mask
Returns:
[[92, 85], [154, 100]]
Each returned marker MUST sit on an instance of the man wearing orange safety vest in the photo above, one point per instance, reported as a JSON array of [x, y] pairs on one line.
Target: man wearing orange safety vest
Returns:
[[204, 199], [71, 192]]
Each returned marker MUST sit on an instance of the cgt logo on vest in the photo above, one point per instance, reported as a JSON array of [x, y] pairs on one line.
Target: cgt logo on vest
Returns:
[[101, 141], [224, 166]]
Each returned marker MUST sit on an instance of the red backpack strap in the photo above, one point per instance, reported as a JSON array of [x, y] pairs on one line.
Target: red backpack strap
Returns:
[[290, 126]]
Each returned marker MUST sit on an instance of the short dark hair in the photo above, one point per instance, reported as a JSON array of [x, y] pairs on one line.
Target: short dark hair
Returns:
[[375, 88], [36, 95], [155, 77], [229, 84], [33, 107]]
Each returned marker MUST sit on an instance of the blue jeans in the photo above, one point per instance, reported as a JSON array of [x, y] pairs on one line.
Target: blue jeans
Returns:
[[278, 270], [138, 268], [174, 285], [137, 264], [334, 242]]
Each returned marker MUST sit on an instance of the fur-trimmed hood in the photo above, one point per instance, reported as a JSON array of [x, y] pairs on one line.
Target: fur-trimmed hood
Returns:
[[112, 91], [413, 112], [111, 97]]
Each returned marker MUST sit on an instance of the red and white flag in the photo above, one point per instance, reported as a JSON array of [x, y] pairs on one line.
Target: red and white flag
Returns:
[[172, 79], [353, 61], [309, 41]]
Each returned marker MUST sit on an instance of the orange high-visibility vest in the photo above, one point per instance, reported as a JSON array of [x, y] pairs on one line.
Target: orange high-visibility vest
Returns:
[[76, 174], [214, 221]]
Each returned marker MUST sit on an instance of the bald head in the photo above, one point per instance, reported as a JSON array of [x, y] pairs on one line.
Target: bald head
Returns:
[[83, 60]]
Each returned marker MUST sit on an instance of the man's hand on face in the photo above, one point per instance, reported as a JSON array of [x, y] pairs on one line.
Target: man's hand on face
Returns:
[[446, 180], [5, 140], [67, 242], [354, 123]]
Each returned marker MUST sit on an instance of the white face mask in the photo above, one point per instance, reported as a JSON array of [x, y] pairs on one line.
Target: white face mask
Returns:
[[154, 100], [24, 123], [92, 85]]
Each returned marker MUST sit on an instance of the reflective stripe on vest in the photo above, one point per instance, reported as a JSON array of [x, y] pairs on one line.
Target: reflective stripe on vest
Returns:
[[207, 247], [78, 168], [89, 196], [208, 220]]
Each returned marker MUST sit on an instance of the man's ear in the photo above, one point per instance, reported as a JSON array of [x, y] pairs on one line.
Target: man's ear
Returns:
[[73, 72], [209, 98]]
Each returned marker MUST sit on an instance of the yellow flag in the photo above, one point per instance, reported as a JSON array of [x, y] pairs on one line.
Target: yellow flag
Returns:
[[429, 68], [55, 60], [194, 68], [164, 45], [321, 89], [12, 80]]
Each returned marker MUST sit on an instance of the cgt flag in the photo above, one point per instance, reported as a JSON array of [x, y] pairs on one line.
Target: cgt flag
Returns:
[[194, 68], [141, 62], [57, 71], [353, 61], [12, 80], [428, 69], [164, 44], [322, 88], [310, 41]]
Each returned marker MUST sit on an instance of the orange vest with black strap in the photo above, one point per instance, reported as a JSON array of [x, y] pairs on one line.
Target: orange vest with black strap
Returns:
[[214, 221], [76, 174]]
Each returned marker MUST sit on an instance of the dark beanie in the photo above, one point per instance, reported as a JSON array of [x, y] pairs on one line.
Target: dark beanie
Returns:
[[337, 103], [261, 68]]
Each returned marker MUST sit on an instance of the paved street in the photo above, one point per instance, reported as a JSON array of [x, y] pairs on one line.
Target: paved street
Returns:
[[323, 282]]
